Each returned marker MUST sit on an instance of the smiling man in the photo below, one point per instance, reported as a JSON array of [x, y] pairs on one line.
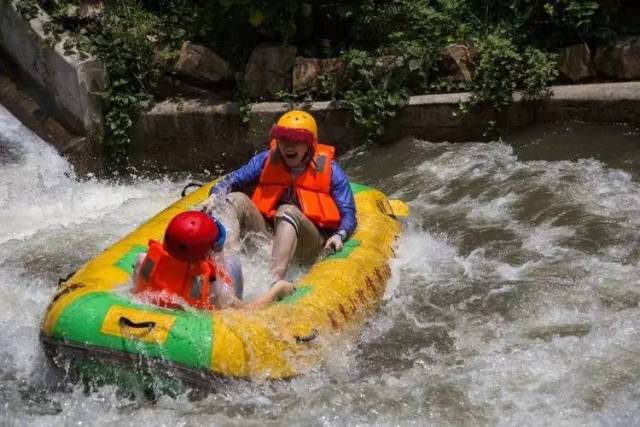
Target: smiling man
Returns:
[[300, 190]]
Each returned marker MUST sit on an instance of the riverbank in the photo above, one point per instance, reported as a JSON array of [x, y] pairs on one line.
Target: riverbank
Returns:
[[195, 134], [199, 134], [207, 131]]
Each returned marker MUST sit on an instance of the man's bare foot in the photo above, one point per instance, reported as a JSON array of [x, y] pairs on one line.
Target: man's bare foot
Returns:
[[282, 288]]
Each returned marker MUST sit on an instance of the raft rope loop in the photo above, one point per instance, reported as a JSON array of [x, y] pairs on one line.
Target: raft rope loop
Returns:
[[64, 279], [126, 322], [307, 338], [189, 185]]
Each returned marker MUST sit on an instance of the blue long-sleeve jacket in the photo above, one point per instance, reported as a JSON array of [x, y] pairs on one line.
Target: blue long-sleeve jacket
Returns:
[[249, 174]]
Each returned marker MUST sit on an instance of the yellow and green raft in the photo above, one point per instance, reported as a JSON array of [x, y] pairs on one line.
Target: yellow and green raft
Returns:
[[92, 313]]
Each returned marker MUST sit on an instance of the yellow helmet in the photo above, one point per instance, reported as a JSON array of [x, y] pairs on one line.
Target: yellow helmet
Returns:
[[296, 125]]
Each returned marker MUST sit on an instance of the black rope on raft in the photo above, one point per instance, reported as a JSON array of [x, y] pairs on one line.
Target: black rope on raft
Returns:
[[307, 338], [189, 185], [131, 324], [64, 279]]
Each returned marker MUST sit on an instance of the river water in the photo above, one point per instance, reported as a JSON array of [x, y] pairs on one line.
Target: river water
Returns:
[[513, 300]]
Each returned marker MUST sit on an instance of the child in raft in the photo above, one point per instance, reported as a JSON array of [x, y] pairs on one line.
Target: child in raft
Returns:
[[186, 268]]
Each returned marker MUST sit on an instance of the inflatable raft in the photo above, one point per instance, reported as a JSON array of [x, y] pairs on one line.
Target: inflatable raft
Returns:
[[93, 316]]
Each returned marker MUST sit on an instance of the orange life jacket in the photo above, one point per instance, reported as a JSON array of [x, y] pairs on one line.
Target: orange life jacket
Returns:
[[166, 276], [312, 187]]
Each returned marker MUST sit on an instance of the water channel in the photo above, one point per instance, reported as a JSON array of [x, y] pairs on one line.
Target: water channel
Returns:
[[513, 300]]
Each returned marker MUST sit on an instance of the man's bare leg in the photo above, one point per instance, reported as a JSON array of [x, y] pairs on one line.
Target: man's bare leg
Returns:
[[295, 236]]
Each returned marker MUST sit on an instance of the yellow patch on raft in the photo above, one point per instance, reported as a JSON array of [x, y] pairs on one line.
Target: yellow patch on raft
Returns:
[[279, 341]]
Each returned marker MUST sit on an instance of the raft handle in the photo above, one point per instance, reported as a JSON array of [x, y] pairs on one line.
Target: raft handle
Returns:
[[189, 185], [64, 279], [307, 338], [393, 208], [66, 290], [131, 324]]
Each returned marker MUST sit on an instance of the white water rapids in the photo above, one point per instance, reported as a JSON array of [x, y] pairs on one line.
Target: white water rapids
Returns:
[[513, 301]]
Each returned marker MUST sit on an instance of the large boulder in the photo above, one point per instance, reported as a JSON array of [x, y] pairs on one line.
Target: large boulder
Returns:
[[307, 72], [458, 61], [621, 60], [269, 71], [199, 63], [575, 63]]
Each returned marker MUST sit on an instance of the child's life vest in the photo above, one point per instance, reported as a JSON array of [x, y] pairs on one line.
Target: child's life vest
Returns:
[[166, 277]]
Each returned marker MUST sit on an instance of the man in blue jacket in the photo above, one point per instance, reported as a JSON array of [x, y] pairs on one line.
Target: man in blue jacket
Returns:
[[299, 189]]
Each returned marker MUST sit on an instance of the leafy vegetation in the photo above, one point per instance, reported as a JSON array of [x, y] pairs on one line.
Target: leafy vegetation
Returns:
[[375, 90], [133, 72], [392, 48], [504, 69]]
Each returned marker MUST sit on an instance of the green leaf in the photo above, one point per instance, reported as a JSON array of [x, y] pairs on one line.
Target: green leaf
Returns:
[[178, 34], [414, 64]]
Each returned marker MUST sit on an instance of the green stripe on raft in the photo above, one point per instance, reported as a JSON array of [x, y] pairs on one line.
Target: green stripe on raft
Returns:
[[299, 293], [357, 188], [348, 247], [188, 342], [127, 260]]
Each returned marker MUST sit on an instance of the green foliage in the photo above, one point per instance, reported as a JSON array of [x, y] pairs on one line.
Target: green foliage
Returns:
[[505, 68], [539, 70], [399, 61], [289, 98], [245, 107], [27, 8], [375, 90], [234, 27], [120, 39], [416, 31], [550, 22], [432, 22]]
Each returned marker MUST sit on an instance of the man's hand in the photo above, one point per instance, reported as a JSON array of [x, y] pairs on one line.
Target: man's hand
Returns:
[[334, 243]]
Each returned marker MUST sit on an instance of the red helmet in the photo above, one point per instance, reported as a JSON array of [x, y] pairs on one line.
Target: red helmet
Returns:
[[191, 235]]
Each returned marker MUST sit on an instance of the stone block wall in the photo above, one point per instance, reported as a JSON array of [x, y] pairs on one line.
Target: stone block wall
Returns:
[[71, 82], [196, 135]]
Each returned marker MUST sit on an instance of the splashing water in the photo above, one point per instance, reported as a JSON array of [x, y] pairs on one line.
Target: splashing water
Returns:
[[514, 295]]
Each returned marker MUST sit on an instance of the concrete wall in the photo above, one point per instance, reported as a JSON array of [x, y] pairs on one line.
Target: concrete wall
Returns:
[[68, 80], [29, 105], [436, 117], [196, 135]]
